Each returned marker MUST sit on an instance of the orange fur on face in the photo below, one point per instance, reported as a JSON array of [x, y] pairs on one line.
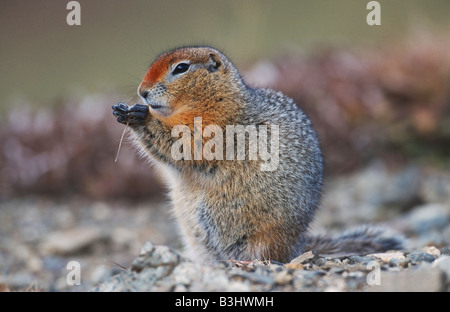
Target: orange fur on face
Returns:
[[158, 70]]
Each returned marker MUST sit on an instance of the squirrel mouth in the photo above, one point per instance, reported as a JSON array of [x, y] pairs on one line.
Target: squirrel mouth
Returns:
[[159, 109], [155, 106]]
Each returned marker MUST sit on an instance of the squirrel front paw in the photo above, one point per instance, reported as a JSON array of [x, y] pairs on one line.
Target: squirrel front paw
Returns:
[[135, 115]]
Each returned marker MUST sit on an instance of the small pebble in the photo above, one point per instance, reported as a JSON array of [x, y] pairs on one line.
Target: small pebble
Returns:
[[283, 278], [445, 251], [418, 256], [388, 256], [432, 251]]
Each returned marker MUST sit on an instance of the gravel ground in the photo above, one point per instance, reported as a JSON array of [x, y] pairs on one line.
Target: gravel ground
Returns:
[[159, 268], [39, 237]]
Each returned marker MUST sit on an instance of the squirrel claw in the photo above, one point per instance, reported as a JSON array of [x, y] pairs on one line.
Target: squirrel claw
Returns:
[[134, 115]]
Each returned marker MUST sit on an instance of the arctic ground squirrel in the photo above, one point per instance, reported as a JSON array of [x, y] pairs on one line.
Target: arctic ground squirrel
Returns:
[[243, 165]]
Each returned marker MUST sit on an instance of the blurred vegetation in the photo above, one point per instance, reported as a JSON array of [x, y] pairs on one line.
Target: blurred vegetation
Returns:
[[70, 151]]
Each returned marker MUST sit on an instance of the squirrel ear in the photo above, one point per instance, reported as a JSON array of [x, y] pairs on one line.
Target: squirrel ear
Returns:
[[213, 63]]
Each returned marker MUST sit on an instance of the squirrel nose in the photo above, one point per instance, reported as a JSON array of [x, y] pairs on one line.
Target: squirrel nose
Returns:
[[143, 93]]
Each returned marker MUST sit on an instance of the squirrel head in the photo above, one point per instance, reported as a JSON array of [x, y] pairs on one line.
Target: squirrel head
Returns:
[[193, 82]]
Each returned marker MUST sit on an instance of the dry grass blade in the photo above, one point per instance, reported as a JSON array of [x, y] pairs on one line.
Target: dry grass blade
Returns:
[[120, 143]]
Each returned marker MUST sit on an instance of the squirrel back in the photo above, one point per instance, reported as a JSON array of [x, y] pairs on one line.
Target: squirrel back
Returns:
[[250, 203]]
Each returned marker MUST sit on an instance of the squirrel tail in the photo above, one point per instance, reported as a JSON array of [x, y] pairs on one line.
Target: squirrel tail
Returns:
[[359, 241]]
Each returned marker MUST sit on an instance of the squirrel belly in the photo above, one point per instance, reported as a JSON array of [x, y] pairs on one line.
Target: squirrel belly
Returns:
[[228, 202]]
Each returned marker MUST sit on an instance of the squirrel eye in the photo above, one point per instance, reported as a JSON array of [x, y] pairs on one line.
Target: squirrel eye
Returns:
[[180, 68]]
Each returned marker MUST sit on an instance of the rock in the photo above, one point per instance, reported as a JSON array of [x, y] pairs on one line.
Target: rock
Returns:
[[403, 188], [54, 263], [158, 268], [148, 248], [388, 256], [22, 281], [424, 278], [185, 273], [435, 187], [154, 257], [395, 262], [432, 251], [320, 261], [445, 251], [71, 241], [283, 278], [120, 282], [329, 263], [428, 217], [294, 266], [304, 257], [238, 287], [100, 273], [418, 256], [303, 280], [358, 260], [443, 263], [319, 273], [211, 279], [254, 277]]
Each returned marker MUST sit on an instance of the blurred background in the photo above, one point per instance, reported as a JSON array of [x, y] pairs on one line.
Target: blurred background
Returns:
[[379, 97]]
